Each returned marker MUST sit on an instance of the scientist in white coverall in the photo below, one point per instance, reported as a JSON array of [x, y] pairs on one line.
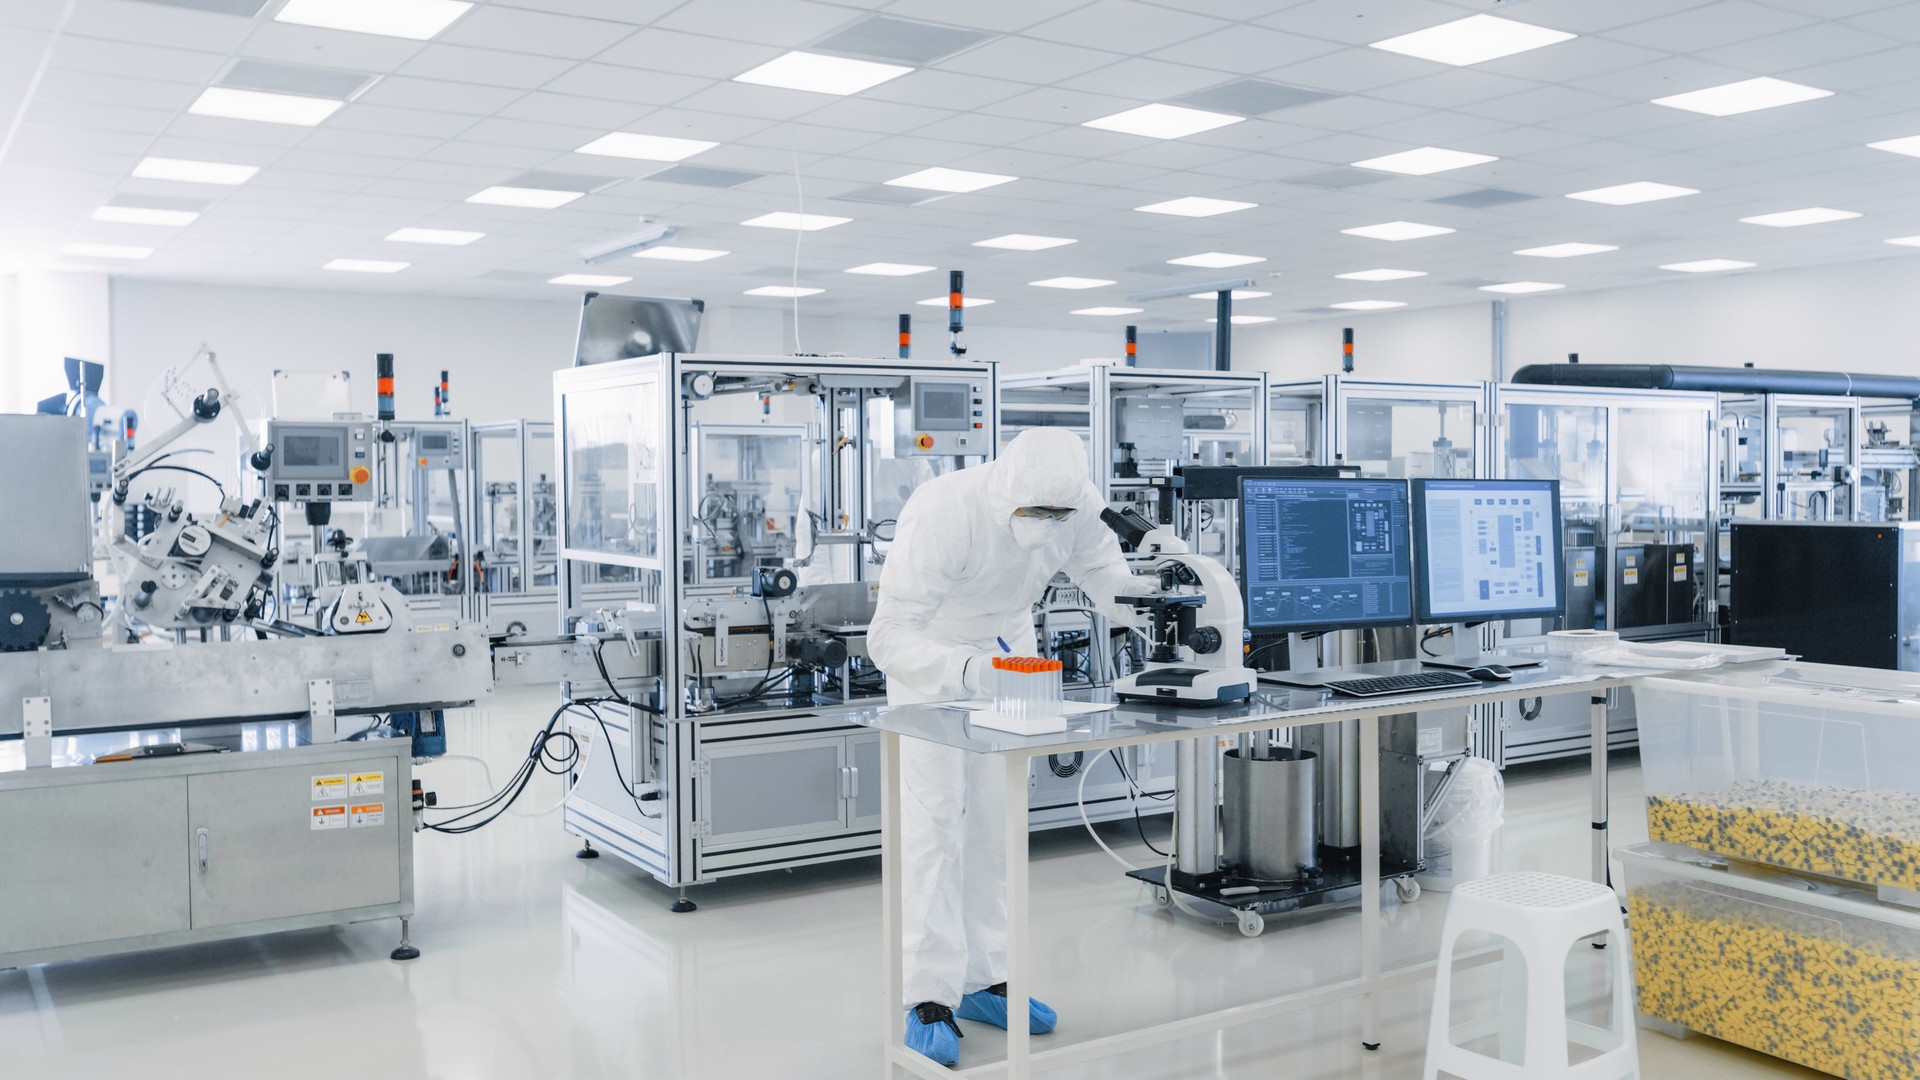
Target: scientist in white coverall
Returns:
[[972, 553]]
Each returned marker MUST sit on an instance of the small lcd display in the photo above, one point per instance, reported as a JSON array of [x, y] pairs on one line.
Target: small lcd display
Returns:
[[436, 442], [313, 451], [938, 406]]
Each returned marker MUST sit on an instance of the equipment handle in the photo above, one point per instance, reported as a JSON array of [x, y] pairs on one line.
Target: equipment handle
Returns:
[[200, 846]]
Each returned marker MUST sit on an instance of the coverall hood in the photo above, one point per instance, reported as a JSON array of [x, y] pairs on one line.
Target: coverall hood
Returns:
[[1041, 467]]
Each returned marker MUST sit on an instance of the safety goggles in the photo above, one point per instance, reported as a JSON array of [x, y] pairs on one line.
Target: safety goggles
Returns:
[[1050, 513]]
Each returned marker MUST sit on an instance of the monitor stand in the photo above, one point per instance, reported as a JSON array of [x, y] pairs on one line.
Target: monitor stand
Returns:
[[1299, 648], [1467, 654]]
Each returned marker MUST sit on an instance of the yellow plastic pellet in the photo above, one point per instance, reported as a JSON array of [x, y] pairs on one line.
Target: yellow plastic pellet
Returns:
[[1869, 837]]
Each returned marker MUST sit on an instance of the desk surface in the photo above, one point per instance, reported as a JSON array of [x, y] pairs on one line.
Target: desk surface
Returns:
[[1270, 706]]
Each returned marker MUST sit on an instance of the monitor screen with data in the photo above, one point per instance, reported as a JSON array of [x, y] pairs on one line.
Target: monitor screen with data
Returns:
[[1487, 549], [1326, 554]]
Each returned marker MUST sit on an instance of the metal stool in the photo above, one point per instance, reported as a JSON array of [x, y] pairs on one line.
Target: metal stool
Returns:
[[1542, 917]]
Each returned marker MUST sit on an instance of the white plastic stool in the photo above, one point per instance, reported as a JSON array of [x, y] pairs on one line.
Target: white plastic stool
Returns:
[[1542, 916]]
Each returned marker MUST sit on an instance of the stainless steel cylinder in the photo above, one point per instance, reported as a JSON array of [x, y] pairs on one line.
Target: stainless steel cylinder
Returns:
[[1336, 748], [1196, 767], [1268, 821]]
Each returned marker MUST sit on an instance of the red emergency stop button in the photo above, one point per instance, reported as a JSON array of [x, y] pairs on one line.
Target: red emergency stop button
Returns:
[[924, 442], [360, 475]]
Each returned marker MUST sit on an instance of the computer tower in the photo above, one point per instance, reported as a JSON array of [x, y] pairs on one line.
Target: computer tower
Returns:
[[1830, 593]]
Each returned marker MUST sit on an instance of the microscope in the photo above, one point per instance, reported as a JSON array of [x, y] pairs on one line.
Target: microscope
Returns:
[[1195, 622]]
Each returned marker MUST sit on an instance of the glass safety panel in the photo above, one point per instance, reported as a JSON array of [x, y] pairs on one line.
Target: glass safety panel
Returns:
[[750, 489], [1568, 442], [1401, 438], [1665, 461], [1295, 426], [501, 533], [541, 508], [612, 443], [1813, 457]]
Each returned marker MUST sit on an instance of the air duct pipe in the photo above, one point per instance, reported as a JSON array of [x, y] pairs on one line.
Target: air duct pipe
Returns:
[[1724, 380]]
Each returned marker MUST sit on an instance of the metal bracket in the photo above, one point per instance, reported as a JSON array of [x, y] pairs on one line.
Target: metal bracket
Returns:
[[36, 715], [326, 723], [721, 633]]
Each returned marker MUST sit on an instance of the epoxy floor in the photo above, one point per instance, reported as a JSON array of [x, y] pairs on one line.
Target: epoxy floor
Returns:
[[536, 965]]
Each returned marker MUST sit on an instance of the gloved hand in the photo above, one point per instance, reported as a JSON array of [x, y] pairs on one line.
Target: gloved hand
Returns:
[[977, 677]]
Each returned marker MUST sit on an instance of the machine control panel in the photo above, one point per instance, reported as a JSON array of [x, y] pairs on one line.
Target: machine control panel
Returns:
[[320, 461], [434, 449], [941, 417]]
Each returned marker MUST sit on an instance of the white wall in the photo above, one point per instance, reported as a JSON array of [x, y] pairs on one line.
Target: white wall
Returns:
[[45, 317], [1449, 344]]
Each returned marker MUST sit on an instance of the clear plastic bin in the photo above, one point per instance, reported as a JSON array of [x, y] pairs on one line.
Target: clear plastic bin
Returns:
[[1805, 767], [1820, 975]]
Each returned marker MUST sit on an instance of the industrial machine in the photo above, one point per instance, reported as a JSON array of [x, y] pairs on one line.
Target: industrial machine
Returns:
[[1195, 624], [1829, 593], [516, 538]]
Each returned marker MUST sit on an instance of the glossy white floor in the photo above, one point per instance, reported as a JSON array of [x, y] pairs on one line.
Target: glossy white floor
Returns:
[[538, 965]]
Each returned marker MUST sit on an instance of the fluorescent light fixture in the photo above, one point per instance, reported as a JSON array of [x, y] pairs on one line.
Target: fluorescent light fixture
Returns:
[[1473, 40], [1566, 251], [650, 233], [887, 269], [1190, 288], [1108, 311], [1238, 294], [1163, 121], [1216, 260], [1398, 230], [105, 251], [443, 237], [1812, 215], [1425, 161], [366, 266], [781, 219], [416, 20], [1072, 283], [144, 215], [627, 144], [821, 74], [194, 172], [1024, 242], [589, 279], [1246, 320], [1382, 274], [1910, 146], [957, 181], [1902, 241], [1637, 192], [1708, 266], [524, 197], [965, 302], [1518, 287], [1746, 96], [669, 253], [231, 104], [1195, 206], [789, 292], [1368, 305]]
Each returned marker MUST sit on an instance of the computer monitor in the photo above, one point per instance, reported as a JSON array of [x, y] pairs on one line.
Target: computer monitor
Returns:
[[1487, 549], [1325, 554]]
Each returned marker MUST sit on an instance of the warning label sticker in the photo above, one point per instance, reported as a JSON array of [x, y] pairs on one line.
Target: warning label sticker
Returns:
[[369, 815], [328, 817], [369, 783], [329, 787]]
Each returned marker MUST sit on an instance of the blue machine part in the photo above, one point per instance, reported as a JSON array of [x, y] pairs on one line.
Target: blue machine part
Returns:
[[428, 731]]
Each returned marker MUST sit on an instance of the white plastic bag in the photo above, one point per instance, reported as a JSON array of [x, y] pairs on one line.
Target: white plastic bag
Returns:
[[1460, 842]]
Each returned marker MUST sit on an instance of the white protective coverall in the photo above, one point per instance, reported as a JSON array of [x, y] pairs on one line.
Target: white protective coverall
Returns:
[[961, 572]]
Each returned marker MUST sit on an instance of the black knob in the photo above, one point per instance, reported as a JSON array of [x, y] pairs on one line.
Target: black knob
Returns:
[[459, 650], [1204, 640]]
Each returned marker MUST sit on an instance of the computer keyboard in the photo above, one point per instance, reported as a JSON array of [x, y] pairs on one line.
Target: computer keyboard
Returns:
[[1402, 684]]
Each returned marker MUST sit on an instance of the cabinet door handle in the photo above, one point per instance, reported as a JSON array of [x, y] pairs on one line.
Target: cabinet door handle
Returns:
[[200, 846], [853, 789]]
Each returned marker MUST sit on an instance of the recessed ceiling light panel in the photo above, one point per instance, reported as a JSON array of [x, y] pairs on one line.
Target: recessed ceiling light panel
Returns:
[[1473, 40], [1909, 146], [1708, 266], [145, 215], [1382, 274], [1024, 242], [956, 181], [1163, 121], [1237, 294], [526, 198], [1398, 230], [887, 269], [230, 104], [1902, 241], [1639, 191], [1216, 260], [105, 251], [789, 292], [194, 172], [416, 20], [628, 144], [366, 266], [781, 219], [444, 237], [1812, 215], [1195, 206], [1368, 305], [1108, 311], [1566, 251], [1072, 283], [1424, 161], [821, 74], [1746, 96], [1246, 320], [668, 253], [1521, 287], [591, 280]]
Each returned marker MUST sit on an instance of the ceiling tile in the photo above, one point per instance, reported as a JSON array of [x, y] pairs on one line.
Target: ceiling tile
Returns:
[[312, 45], [360, 116], [491, 67], [546, 136], [153, 24], [1008, 16], [61, 84], [786, 24], [1358, 22], [1028, 61], [1143, 80], [1355, 70], [687, 54], [1709, 26], [1120, 25], [401, 91], [1248, 50], [493, 27], [578, 111], [637, 12], [613, 83]]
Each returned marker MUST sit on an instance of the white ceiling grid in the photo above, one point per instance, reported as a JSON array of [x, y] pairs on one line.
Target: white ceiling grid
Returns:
[[517, 86]]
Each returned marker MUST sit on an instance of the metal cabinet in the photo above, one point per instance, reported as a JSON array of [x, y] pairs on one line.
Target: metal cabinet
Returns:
[[92, 863], [261, 847], [773, 789], [863, 781]]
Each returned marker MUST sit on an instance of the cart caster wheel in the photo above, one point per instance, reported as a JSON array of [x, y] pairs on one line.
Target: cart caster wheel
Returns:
[[1162, 899], [1369, 1046], [1251, 924], [1407, 889]]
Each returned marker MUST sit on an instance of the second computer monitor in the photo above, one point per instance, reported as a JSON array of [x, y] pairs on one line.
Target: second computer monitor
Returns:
[[1487, 549], [1325, 554]]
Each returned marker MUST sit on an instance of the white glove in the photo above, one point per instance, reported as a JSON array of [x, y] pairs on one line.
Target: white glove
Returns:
[[976, 678]]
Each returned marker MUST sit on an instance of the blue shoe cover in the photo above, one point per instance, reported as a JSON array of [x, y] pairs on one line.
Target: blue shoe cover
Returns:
[[989, 1006], [931, 1031]]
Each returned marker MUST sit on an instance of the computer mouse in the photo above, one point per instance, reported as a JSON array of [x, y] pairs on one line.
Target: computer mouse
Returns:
[[1491, 673]]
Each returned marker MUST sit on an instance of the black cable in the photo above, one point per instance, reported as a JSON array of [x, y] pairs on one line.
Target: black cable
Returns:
[[601, 663], [1429, 635], [92, 604], [153, 467], [617, 775], [1268, 647], [1134, 784], [1139, 826], [538, 756]]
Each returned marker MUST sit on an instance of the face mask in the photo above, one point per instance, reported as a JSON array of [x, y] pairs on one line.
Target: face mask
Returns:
[[1034, 533]]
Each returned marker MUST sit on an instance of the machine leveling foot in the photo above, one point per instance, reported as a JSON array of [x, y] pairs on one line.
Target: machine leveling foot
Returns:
[[405, 951], [1369, 1046], [586, 851], [683, 905]]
